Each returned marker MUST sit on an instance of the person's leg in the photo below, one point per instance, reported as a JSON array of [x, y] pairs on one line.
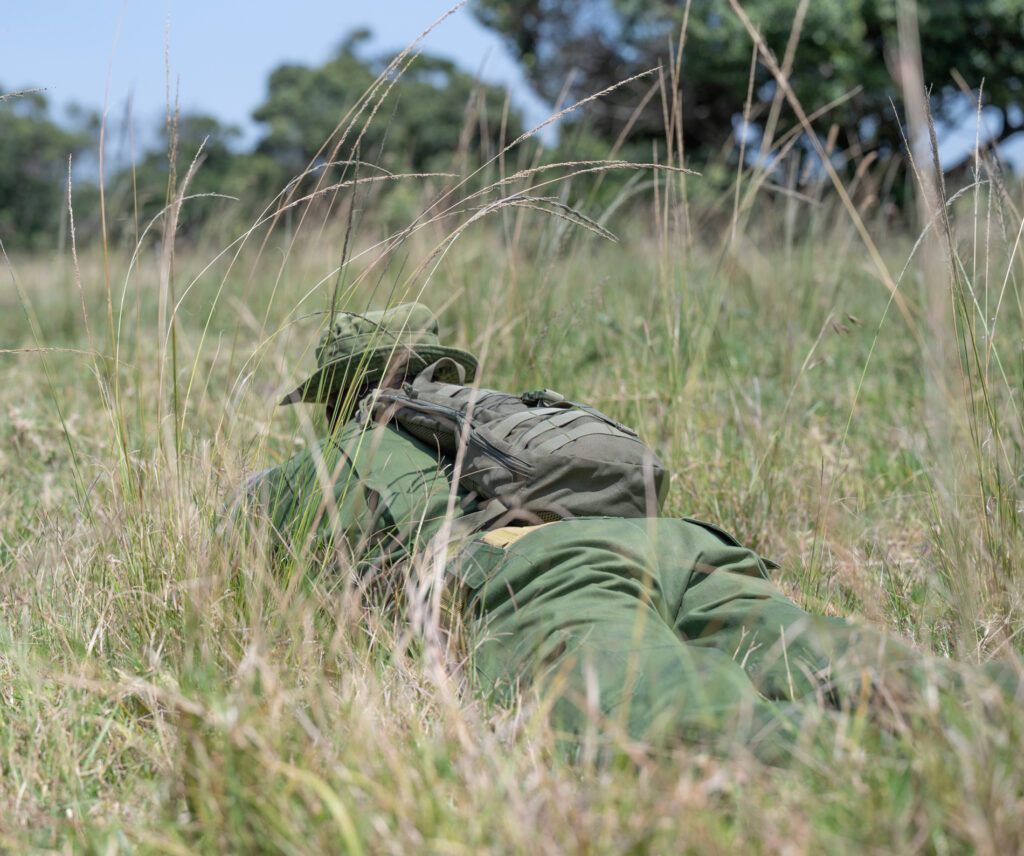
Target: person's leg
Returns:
[[729, 605], [671, 628], [788, 653], [580, 608]]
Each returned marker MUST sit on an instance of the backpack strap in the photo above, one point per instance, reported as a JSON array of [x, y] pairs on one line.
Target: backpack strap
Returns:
[[593, 411]]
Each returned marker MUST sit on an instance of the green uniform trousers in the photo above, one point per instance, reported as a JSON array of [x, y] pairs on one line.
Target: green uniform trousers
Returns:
[[663, 629]]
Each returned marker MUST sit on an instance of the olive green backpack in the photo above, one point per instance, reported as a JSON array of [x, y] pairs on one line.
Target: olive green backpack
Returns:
[[530, 458]]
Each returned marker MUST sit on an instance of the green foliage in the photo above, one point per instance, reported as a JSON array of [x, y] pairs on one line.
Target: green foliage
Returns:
[[419, 114], [34, 163], [422, 113], [224, 186], [844, 47]]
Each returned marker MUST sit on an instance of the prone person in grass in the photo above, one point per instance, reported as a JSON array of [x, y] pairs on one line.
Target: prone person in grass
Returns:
[[639, 626]]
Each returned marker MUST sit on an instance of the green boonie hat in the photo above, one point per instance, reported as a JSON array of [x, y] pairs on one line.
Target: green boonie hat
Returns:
[[359, 348]]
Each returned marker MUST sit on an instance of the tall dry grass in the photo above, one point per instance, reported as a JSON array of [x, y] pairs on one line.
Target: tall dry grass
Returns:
[[162, 689]]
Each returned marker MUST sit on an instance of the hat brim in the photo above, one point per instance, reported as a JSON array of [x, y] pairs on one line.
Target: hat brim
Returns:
[[330, 381]]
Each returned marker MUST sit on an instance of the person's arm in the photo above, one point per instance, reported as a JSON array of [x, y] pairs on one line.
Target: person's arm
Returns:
[[309, 504], [365, 492]]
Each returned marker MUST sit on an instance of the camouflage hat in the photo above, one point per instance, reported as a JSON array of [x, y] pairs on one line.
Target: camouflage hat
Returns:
[[360, 348]]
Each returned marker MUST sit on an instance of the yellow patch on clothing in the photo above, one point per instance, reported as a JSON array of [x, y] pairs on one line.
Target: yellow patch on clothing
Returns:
[[509, 534]]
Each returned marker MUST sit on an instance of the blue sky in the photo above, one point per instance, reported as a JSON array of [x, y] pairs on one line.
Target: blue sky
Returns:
[[219, 52]]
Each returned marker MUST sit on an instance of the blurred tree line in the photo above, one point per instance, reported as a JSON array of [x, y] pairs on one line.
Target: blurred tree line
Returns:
[[846, 57], [437, 117], [318, 127], [34, 163]]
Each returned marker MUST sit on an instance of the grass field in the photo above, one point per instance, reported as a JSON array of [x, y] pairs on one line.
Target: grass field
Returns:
[[161, 691]]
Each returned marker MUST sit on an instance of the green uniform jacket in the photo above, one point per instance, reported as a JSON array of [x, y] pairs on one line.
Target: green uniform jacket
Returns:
[[367, 492]]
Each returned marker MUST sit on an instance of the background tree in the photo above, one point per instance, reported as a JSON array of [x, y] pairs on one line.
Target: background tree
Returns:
[[845, 45], [34, 153], [432, 111], [225, 182]]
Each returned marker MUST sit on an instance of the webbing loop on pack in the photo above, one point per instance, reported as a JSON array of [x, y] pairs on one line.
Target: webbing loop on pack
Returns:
[[559, 419], [553, 444]]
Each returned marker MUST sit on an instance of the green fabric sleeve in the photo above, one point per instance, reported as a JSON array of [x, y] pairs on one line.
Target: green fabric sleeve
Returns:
[[365, 491]]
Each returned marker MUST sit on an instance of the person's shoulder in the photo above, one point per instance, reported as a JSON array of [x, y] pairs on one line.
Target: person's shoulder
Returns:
[[381, 438]]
